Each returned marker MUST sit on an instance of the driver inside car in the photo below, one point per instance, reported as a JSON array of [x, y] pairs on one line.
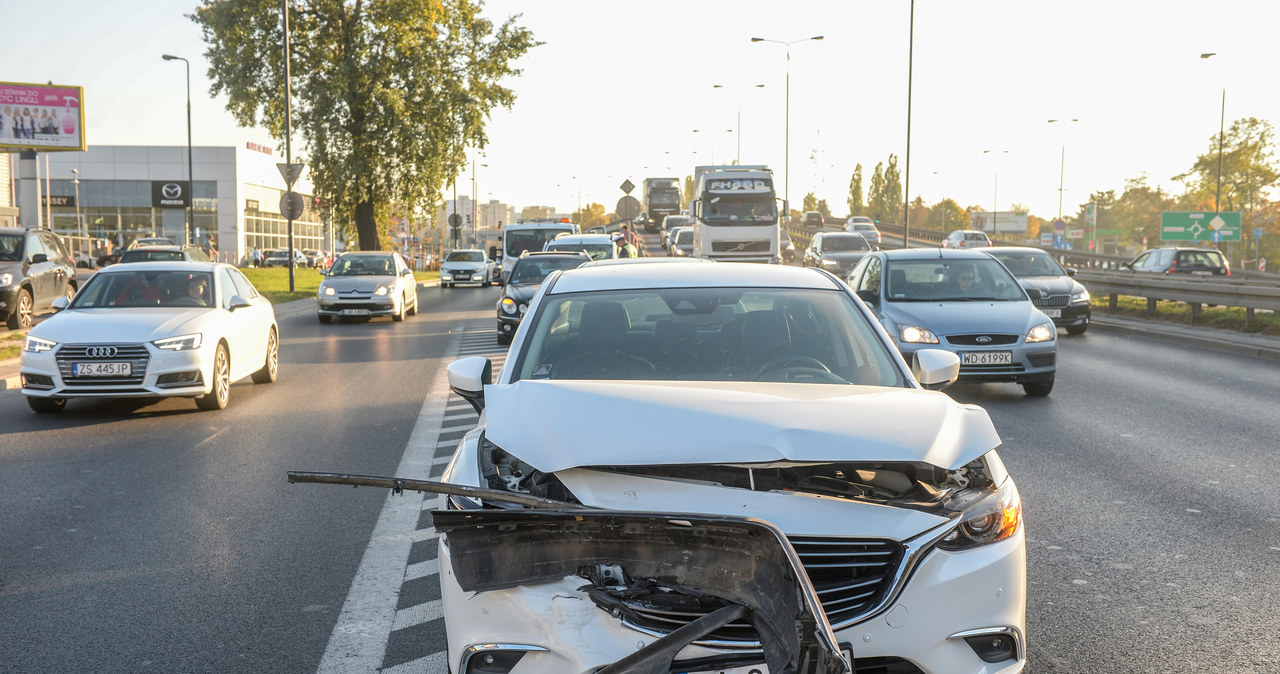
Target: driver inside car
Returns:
[[198, 289]]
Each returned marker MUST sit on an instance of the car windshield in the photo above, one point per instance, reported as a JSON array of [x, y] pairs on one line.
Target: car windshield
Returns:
[[951, 280], [684, 236], [706, 334], [840, 244], [363, 265], [530, 271], [1035, 263], [146, 288], [465, 256], [597, 251], [10, 247], [151, 256]]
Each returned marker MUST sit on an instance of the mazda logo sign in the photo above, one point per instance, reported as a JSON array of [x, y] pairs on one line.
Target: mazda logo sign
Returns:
[[983, 340], [171, 191], [100, 352]]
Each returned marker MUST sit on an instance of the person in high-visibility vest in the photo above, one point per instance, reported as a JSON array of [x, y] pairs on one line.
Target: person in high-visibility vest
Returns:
[[625, 248]]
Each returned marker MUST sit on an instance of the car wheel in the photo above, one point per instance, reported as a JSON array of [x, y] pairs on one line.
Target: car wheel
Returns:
[[503, 339], [216, 399], [46, 405], [324, 319], [23, 313], [399, 314], [413, 310], [1078, 329], [1038, 389], [271, 368]]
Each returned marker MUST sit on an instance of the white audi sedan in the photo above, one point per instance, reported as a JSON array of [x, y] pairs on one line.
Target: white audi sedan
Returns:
[[186, 329], [362, 285], [724, 468]]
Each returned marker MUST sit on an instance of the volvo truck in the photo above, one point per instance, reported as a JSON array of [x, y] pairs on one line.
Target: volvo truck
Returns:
[[735, 214]]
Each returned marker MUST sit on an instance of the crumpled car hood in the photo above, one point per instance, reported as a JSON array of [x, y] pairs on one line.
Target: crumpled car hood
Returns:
[[556, 425]]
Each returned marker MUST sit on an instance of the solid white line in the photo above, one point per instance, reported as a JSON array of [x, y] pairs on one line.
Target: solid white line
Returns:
[[359, 639]]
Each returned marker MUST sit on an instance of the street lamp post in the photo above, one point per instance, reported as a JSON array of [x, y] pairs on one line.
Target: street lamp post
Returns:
[[75, 180], [906, 187], [738, 133], [786, 143], [995, 188], [1062, 165], [713, 144], [191, 179], [1222, 118]]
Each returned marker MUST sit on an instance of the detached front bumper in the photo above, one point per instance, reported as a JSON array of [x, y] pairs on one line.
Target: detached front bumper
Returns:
[[152, 372]]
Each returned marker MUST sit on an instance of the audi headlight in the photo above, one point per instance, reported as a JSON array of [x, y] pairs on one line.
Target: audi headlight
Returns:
[[508, 306], [1045, 332], [35, 344], [992, 519], [1081, 297], [913, 334], [180, 343], [6, 280]]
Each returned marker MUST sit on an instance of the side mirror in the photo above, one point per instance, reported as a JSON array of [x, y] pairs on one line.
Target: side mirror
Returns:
[[407, 272], [238, 302], [870, 297], [935, 369], [1126, 265], [469, 376], [1071, 271], [60, 303], [323, 271], [38, 258]]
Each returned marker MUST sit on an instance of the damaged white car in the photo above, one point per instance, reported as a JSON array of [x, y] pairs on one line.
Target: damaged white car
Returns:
[[724, 468]]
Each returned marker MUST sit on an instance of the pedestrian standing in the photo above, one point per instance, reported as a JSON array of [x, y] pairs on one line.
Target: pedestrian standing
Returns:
[[257, 257]]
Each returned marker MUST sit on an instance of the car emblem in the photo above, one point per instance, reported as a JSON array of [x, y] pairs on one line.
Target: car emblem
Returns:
[[100, 352], [171, 190], [983, 340]]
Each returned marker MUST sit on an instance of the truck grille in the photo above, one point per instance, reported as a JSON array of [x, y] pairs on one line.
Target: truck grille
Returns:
[[740, 246], [135, 354], [851, 576]]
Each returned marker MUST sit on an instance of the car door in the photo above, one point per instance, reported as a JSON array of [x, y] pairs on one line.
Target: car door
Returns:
[[812, 253], [240, 328], [40, 274]]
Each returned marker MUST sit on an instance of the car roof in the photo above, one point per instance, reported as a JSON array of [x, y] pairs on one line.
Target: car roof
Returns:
[[583, 238], [1013, 249], [934, 254], [553, 253], [367, 253], [158, 247], [841, 235], [466, 250], [655, 272], [162, 265]]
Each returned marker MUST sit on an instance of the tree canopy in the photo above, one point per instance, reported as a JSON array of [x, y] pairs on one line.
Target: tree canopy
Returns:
[[388, 95]]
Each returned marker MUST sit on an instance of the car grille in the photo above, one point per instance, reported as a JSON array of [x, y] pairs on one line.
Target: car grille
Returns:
[[371, 306], [1052, 301], [972, 340], [851, 577], [135, 354], [740, 246], [992, 369]]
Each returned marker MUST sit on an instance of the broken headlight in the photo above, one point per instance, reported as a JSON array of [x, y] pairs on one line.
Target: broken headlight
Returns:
[[991, 519], [504, 471]]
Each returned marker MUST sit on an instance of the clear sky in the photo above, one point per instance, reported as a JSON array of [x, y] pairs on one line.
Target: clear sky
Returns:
[[618, 88]]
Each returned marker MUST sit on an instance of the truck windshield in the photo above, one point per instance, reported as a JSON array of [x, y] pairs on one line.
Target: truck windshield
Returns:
[[518, 241], [664, 198], [738, 211]]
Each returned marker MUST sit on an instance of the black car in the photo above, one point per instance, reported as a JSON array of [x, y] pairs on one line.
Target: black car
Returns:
[[1062, 298], [1180, 260], [526, 277], [837, 252], [35, 269]]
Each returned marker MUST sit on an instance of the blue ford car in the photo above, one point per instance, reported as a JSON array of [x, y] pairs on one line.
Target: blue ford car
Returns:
[[966, 302]]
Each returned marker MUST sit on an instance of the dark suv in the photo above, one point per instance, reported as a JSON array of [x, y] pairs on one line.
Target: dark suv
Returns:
[[35, 269], [1181, 260]]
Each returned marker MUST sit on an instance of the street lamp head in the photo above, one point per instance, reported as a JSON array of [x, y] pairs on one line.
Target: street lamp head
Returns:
[[816, 37], [757, 39], [1208, 54], [170, 57]]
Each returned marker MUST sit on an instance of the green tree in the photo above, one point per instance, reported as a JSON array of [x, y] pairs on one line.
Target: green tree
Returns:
[[688, 188], [946, 216], [387, 95], [1136, 213], [591, 215], [1248, 168], [856, 205], [823, 208], [875, 195], [891, 201], [810, 202], [919, 212]]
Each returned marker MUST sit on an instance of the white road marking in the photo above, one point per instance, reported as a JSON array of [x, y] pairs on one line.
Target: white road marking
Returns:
[[359, 639], [416, 615], [430, 664]]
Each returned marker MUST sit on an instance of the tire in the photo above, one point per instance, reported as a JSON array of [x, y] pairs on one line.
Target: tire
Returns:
[[503, 340], [217, 398], [24, 313], [399, 315], [46, 405], [324, 319], [1038, 389], [413, 311], [1078, 329], [271, 367]]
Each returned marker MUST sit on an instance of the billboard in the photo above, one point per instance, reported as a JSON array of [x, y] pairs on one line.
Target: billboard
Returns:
[[41, 117], [1004, 221]]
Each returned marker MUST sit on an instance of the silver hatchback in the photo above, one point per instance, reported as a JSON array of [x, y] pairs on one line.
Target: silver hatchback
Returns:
[[967, 303]]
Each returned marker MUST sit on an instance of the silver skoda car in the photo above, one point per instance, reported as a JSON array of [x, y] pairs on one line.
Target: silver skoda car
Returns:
[[966, 302]]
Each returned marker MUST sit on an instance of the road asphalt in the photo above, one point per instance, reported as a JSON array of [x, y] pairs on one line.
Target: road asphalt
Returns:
[[1227, 341]]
